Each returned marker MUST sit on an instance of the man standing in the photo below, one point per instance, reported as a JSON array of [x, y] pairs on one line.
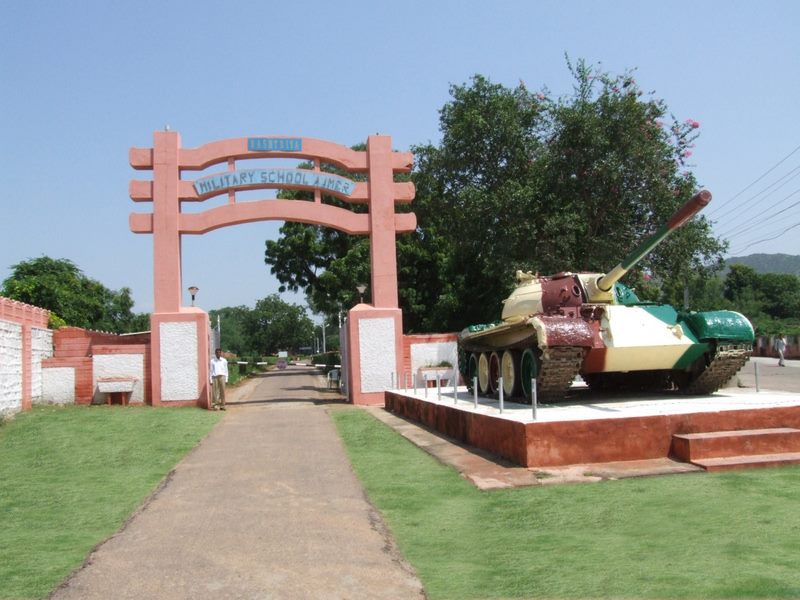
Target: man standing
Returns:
[[219, 377], [780, 346]]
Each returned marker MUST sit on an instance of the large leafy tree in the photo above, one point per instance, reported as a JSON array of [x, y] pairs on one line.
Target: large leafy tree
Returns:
[[525, 180], [61, 287], [277, 325]]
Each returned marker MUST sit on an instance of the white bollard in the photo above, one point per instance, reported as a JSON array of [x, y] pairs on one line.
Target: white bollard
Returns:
[[425, 383], [455, 386], [475, 391], [500, 387], [438, 389], [534, 399], [392, 380], [414, 380]]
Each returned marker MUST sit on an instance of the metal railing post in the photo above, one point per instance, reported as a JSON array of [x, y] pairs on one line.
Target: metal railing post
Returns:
[[500, 386], [755, 366], [534, 398]]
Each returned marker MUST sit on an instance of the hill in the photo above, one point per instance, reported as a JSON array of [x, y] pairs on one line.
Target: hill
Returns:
[[769, 263]]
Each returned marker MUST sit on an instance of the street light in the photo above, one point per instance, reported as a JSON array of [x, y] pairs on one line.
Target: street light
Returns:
[[193, 291], [361, 287]]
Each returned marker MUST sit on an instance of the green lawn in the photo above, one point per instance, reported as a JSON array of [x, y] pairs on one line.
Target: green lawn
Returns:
[[70, 477], [728, 535]]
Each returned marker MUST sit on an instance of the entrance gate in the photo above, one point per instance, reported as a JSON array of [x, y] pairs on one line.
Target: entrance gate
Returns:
[[179, 341]]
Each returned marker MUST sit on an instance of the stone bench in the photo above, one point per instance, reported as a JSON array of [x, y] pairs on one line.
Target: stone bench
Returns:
[[116, 387]]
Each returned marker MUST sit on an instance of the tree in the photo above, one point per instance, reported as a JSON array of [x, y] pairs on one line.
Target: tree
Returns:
[[326, 264], [61, 287], [523, 180], [277, 325], [234, 323]]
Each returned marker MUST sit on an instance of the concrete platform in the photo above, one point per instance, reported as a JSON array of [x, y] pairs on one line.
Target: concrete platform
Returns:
[[590, 427]]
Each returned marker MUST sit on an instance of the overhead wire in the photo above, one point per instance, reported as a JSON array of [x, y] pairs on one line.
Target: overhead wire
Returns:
[[785, 179], [751, 225], [769, 239], [745, 224], [759, 178]]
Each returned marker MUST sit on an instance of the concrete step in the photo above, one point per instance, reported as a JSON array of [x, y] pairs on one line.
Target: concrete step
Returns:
[[692, 447], [731, 463]]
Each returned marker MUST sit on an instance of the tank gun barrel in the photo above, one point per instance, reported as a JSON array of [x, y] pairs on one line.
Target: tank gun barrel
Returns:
[[684, 213]]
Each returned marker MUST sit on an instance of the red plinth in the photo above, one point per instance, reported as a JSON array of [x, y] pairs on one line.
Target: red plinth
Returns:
[[579, 441]]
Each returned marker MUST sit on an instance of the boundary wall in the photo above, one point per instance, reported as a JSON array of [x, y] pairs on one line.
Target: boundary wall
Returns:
[[83, 357], [25, 341], [765, 346]]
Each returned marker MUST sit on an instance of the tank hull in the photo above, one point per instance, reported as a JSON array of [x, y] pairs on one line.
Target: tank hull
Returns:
[[560, 326], [620, 347]]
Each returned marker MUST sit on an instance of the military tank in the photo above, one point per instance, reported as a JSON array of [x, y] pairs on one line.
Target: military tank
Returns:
[[556, 327]]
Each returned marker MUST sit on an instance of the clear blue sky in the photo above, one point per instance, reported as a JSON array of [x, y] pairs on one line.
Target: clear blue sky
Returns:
[[83, 82]]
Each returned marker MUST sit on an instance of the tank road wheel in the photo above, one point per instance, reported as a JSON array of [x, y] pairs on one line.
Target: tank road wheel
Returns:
[[494, 372], [509, 367], [472, 369], [483, 374], [528, 369]]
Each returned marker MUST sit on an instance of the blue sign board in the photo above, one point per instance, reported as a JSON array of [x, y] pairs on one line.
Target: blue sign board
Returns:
[[275, 144], [325, 182]]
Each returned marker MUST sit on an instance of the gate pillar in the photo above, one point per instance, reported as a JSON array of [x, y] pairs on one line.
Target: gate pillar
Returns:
[[179, 358], [375, 343]]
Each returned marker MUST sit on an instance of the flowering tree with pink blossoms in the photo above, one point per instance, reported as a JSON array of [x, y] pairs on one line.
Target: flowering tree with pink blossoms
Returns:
[[525, 179]]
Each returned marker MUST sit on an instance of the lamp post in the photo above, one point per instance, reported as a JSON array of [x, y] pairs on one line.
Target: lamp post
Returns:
[[361, 289], [193, 291]]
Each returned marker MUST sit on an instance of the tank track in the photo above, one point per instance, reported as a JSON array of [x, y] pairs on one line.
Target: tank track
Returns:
[[725, 363], [557, 370]]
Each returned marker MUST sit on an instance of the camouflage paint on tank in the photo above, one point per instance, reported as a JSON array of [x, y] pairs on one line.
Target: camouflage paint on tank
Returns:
[[589, 323], [642, 338]]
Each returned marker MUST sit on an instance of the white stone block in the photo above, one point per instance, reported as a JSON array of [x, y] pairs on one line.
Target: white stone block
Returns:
[[432, 354], [179, 368], [58, 386], [130, 366], [376, 338], [41, 348], [10, 367]]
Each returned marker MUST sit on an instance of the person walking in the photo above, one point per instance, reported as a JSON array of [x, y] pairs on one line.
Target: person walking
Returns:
[[219, 377], [780, 346]]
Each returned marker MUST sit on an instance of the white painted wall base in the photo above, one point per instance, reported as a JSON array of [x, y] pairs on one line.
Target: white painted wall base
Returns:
[[58, 386]]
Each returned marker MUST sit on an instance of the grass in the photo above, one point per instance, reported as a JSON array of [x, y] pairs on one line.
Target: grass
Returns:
[[71, 476], [729, 535]]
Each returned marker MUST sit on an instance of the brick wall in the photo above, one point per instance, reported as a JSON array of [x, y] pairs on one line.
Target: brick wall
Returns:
[[77, 349], [25, 342]]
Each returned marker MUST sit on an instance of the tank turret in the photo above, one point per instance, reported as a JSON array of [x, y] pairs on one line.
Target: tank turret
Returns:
[[556, 327]]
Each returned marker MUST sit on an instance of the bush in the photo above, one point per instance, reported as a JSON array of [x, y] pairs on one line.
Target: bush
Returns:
[[234, 375]]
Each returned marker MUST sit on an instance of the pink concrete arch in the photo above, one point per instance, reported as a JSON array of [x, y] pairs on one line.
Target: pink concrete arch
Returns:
[[167, 223]]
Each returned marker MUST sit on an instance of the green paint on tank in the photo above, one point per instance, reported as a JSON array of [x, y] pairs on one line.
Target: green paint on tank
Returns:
[[694, 352], [625, 295], [721, 325]]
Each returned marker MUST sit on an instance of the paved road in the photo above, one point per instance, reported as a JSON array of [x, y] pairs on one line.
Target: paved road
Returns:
[[265, 507], [770, 375]]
